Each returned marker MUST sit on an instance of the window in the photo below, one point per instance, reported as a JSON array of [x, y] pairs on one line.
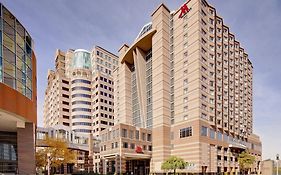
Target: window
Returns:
[[81, 109], [81, 102], [81, 116], [143, 136], [124, 133], [149, 137], [131, 135], [65, 116], [65, 89], [132, 146], [125, 145], [219, 136], [212, 134], [81, 88], [65, 96], [81, 123], [65, 110], [186, 132], [65, 82], [204, 131], [137, 135], [8, 42], [81, 81], [81, 95], [65, 103]]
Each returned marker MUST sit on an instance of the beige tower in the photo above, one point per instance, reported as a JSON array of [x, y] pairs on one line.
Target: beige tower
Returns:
[[79, 93], [187, 79]]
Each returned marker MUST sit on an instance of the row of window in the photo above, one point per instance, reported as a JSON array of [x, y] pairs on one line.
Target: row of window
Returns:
[[104, 108], [82, 123], [135, 135], [104, 101], [108, 58], [105, 87], [82, 130], [81, 88], [81, 117], [218, 135], [81, 109], [80, 81], [81, 95], [126, 145], [105, 80], [81, 102]]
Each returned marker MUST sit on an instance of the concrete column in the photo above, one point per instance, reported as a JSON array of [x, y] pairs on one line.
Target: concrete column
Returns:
[[161, 88], [26, 149], [104, 165]]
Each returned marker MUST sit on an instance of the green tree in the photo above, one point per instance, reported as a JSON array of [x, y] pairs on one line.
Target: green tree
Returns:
[[245, 161], [59, 153], [174, 163]]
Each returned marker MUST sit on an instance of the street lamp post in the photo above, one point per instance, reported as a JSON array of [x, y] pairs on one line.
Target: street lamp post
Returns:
[[48, 157], [277, 159]]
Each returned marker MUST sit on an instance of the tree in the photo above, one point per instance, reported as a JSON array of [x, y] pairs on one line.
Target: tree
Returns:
[[59, 153], [174, 163], [245, 161], [41, 159]]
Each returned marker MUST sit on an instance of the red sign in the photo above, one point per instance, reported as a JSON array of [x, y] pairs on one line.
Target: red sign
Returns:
[[139, 149], [184, 9]]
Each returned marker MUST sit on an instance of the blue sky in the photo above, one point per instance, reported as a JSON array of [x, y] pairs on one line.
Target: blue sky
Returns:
[[76, 24]]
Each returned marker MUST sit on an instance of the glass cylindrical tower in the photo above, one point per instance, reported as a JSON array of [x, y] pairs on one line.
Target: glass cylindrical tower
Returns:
[[81, 110]]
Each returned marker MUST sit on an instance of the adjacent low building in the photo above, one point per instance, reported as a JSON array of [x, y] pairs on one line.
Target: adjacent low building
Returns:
[[83, 145], [18, 97]]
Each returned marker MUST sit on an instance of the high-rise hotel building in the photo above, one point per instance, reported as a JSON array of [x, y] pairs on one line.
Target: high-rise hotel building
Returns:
[[188, 80], [18, 97], [79, 93]]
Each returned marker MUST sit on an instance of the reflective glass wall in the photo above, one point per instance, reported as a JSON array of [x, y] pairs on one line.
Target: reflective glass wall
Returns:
[[81, 59], [15, 54]]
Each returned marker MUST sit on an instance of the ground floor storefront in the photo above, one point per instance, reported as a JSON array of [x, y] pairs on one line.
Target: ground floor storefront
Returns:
[[128, 166]]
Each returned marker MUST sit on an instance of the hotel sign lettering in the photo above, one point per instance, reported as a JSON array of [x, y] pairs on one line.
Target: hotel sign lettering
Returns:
[[184, 9], [139, 149]]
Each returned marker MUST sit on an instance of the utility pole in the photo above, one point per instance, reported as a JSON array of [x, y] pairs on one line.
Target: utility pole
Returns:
[[48, 157], [277, 160]]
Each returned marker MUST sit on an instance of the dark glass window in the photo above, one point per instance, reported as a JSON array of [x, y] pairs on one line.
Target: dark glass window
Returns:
[[81, 95], [81, 116], [65, 110], [81, 109], [8, 152], [19, 29], [81, 102], [9, 56], [65, 82], [81, 81], [81, 88], [10, 31], [65, 96], [125, 145], [204, 131], [81, 123], [8, 42], [186, 132], [8, 17]]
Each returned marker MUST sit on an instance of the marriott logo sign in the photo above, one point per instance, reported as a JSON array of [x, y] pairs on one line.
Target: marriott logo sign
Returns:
[[184, 9]]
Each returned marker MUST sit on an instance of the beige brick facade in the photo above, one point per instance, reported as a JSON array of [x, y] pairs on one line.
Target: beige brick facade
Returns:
[[198, 84]]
